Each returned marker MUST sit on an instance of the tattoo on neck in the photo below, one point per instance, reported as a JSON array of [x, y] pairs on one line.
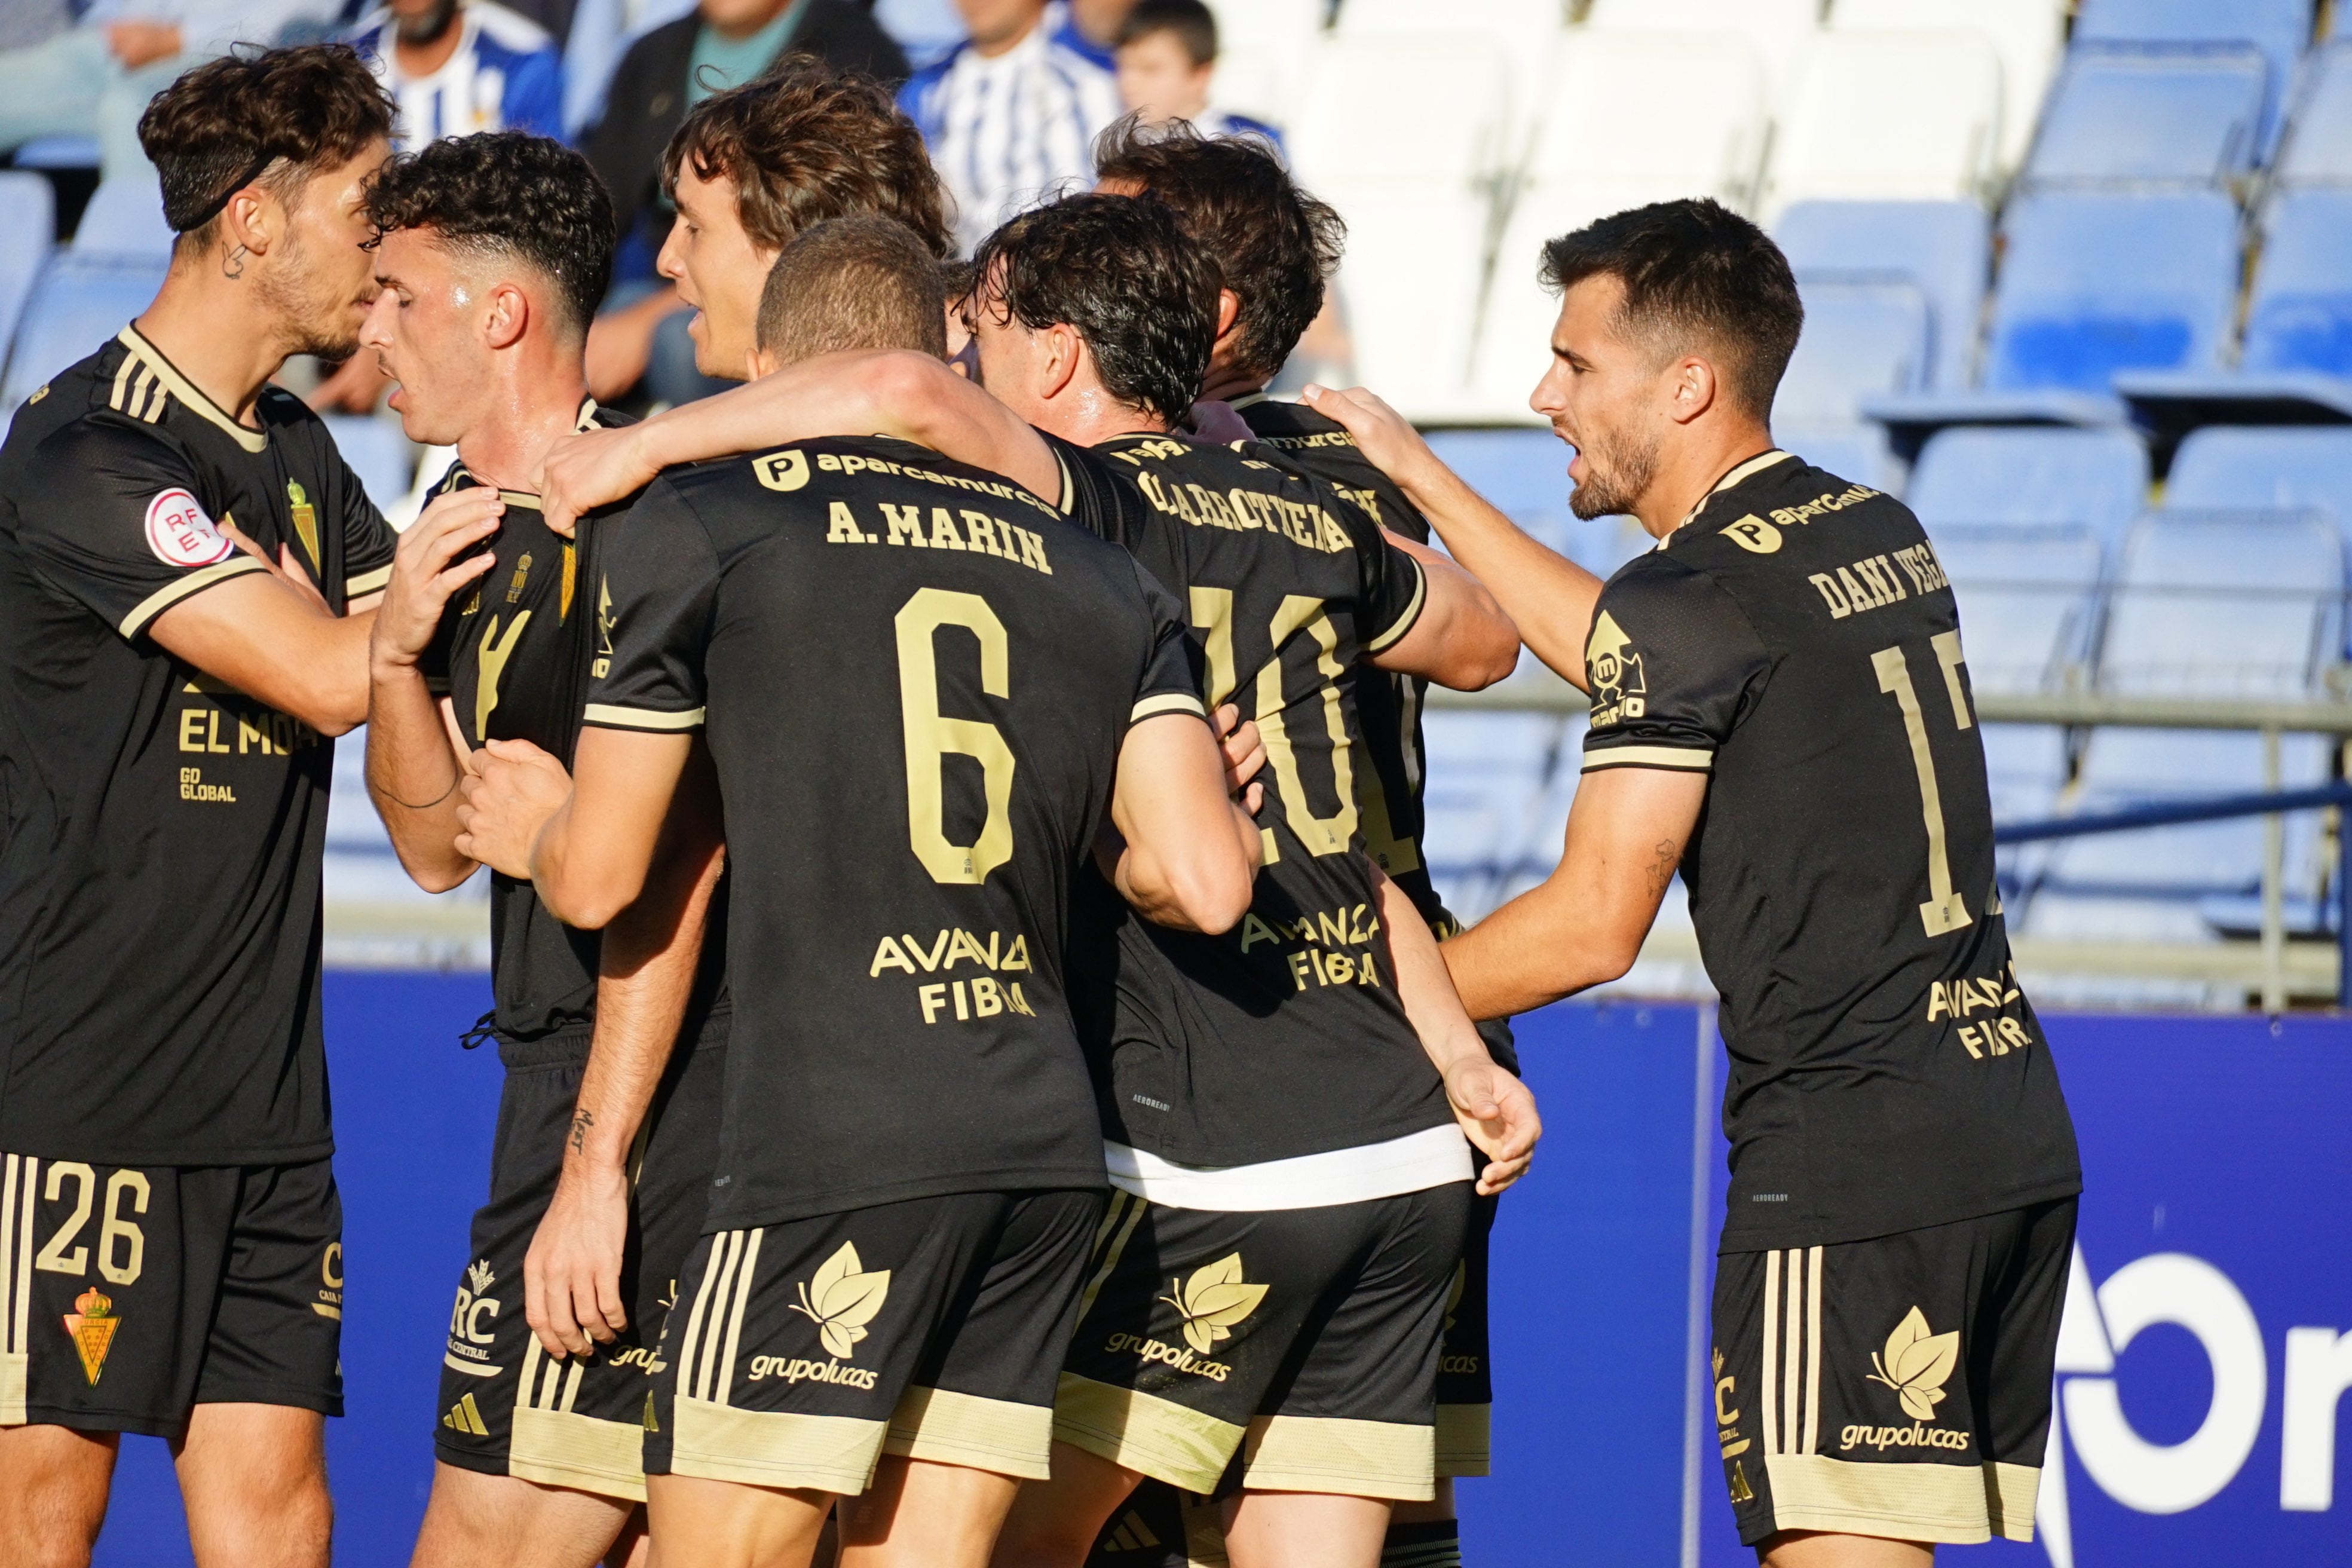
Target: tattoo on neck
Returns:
[[233, 264]]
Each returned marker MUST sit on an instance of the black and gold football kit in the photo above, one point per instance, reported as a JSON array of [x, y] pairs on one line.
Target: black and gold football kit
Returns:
[[159, 913], [1389, 705], [516, 655], [914, 678], [1270, 1115], [1903, 1166]]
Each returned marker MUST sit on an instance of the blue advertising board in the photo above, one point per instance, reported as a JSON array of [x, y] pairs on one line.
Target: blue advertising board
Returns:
[[2208, 1339]]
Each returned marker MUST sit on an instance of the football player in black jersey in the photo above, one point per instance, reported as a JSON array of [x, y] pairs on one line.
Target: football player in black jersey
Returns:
[[923, 690], [187, 571], [1276, 246], [491, 260], [1781, 706]]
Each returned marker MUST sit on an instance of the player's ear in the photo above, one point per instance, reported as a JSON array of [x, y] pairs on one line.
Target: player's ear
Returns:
[[763, 364], [1693, 388], [1229, 314], [506, 315], [1065, 350], [251, 221]]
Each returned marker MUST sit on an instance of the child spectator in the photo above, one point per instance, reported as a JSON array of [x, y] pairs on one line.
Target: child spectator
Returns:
[[1166, 53]]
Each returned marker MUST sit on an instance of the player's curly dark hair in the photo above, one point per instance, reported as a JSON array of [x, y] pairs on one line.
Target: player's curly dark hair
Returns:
[[1126, 276], [802, 145], [512, 192], [274, 115], [1695, 273], [1275, 245]]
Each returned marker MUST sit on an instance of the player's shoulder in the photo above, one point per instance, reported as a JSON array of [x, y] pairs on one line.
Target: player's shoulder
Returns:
[[1292, 426], [1779, 504]]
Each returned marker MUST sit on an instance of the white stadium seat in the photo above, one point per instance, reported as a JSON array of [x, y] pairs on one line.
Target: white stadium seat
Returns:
[[1902, 116], [2028, 34], [1526, 31], [1418, 192], [1270, 47], [1584, 165], [1777, 30]]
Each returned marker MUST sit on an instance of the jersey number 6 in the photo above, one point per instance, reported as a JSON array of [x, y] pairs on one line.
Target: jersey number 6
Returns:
[[931, 735], [1946, 909]]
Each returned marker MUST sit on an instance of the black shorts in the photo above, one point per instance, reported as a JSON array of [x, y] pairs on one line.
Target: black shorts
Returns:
[[129, 1295], [507, 1407], [1895, 1387], [1466, 1385], [801, 1353], [1296, 1349]]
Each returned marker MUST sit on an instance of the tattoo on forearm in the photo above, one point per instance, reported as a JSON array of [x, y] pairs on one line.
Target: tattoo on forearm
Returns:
[[1661, 870], [581, 1121]]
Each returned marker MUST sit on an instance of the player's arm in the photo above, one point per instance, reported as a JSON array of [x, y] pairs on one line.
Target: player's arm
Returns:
[[1548, 597], [650, 955], [413, 762], [894, 392], [1584, 924], [269, 641], [1186, 850], [1684, 648], [1458, 635], [585, 843], [1495, 1109]]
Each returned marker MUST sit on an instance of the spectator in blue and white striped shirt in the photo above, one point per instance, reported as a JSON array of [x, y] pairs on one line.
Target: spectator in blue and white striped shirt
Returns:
[[455, 70], [1011, 113]]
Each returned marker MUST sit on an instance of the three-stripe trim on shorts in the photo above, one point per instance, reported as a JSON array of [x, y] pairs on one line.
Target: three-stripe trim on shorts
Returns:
[[706, 1360], [1792, 1350]]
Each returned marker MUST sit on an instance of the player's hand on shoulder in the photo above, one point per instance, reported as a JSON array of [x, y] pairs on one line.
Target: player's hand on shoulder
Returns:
[[284, 568], [429, 565], [1244, 752], [513, 788], [594, 468], [1498, 1113], [1386, 437]]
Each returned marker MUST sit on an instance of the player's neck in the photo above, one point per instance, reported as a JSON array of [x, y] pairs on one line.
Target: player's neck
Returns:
[[1686, 477], [1226, 383], [1091, 416], [204, 322], [530, 409]]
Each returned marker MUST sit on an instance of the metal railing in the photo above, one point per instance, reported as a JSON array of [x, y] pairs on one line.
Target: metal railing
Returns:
[[1540, 691]]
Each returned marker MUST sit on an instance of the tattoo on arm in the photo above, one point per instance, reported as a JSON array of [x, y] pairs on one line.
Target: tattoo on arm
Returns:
[[1661, 870], [581, 1121]]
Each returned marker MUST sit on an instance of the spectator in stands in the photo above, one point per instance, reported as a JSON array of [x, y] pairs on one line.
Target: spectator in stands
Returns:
[[94, 79], [641, 336], [1011, 113], [457, 67], [1167, 67]]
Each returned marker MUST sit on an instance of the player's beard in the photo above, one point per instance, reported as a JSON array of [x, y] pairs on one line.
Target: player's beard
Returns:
[[424, 29], [316, 312], [1614, 478]]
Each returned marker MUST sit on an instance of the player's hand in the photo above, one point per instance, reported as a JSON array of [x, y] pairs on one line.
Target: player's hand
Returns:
[[1244, 756], [1386, 437], [571, 1274], [1500, 1115], [285, 568], [502, 804], [593, 469], [426, 570]]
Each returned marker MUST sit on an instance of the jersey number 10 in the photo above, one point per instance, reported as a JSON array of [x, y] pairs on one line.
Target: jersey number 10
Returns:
[[1946, 909]]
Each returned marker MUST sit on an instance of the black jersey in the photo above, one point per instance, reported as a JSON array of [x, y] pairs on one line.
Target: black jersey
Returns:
[[915, 678], [159, 884], [1797, 639], [515, 656], [1284, 1036]]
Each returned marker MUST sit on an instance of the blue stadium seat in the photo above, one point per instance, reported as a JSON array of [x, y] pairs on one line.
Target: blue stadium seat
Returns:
[[2246, 602], [2028, 596], [1938, 246], [1486, 773], [125, 217], [28, 229], [2128, 115], [79, 303], [1859, 452], [383, 458], [2281, 30], [2255, 466], [2096, 283], [2318, 148], [2095, 479], [1859, 338], [2300, 314]]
